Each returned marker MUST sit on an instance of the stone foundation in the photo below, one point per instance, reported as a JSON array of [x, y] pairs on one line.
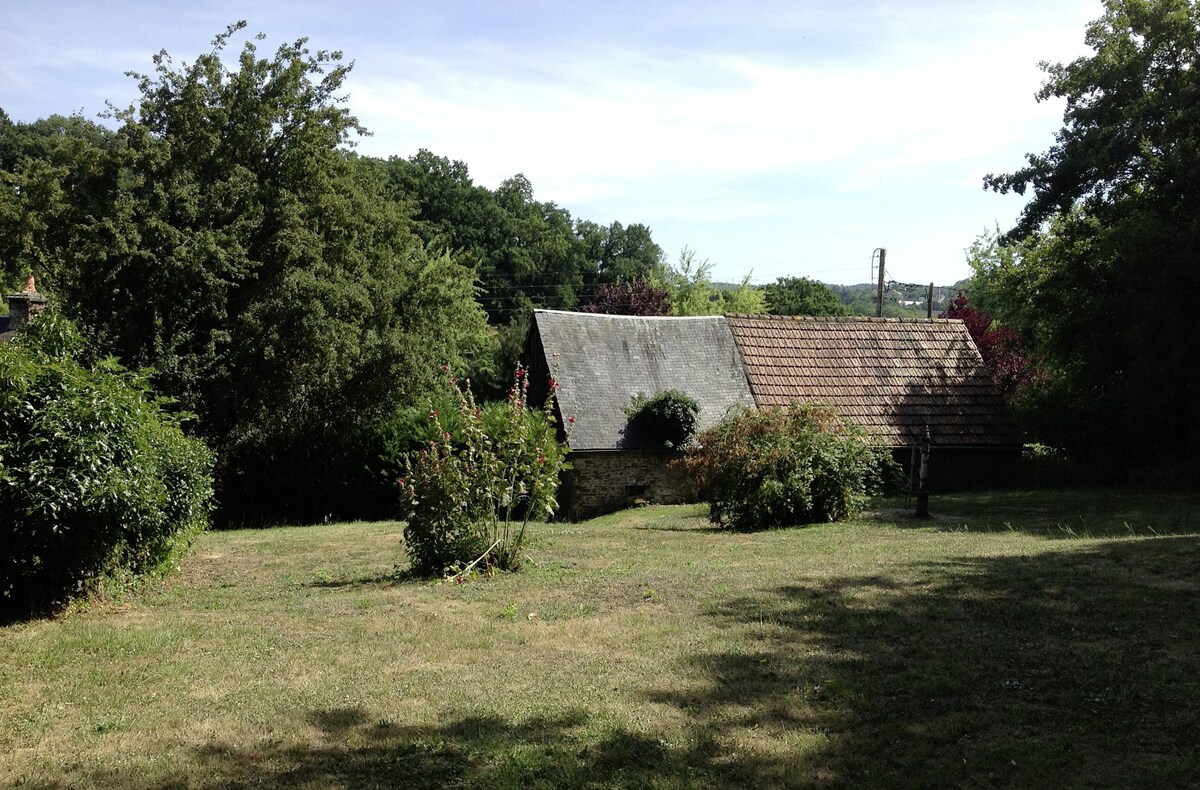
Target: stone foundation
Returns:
[[603, 482]]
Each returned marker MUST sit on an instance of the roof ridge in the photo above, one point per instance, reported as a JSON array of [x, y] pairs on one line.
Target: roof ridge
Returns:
[[617, 316], [842, 319]]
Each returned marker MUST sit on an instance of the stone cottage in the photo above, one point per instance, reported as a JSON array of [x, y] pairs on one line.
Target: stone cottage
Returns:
[[601, 362], [892, 377]]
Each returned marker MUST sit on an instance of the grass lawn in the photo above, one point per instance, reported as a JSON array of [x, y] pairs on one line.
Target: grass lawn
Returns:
[[1019, 640]]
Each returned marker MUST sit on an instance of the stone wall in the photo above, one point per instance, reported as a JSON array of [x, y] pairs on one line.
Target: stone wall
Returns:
[[606, 481], [22, 307], [603, 482]]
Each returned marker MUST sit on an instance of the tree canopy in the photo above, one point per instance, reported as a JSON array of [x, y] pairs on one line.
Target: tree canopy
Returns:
[[1111, 232], [802, 296], [525, 253], [634, 298], [225, 238]]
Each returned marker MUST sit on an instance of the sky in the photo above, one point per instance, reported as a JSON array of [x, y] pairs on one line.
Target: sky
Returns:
[[771, 138]]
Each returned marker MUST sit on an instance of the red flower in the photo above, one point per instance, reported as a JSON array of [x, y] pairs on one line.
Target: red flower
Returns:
[[571, 420]]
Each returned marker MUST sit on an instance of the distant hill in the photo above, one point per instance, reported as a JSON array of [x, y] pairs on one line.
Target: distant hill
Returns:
[[900, 300]]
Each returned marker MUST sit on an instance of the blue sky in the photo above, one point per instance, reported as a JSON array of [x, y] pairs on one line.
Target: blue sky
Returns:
[[773, 138]]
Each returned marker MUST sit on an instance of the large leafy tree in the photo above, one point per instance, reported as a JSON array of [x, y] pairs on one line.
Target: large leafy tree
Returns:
[[1001, 347], [618, 253], [264, 274], [525, 253], [55, 174], [1111, 234]]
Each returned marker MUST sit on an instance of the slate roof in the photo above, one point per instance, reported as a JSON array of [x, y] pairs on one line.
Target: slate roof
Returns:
[[602, 361], [891, 376]]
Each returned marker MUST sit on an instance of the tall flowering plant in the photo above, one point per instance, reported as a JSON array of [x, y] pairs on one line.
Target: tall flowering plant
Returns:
[[469, 494]]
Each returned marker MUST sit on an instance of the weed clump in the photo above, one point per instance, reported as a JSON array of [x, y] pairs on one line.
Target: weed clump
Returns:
[[469, 493]]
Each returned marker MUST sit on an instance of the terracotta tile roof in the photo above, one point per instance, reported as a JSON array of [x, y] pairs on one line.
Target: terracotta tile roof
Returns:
[[890, 376], [602, 361]]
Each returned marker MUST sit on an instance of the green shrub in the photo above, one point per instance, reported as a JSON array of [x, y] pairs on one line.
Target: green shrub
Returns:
[[666, 418], [95, 478], [469, 493], [779, 467]]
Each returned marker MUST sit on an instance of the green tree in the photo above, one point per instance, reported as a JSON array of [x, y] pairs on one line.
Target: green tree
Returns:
[[692, 291], [264, 274], [802, 296], [1112, 232], [54, 174], [618, 253]]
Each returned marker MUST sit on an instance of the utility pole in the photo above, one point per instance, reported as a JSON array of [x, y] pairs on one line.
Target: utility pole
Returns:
[[929, 303], [879, 306]]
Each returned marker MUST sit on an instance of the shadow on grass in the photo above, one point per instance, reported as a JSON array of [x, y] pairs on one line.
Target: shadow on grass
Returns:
[[1060, 669], [693, 528], [1069, 513], [477, 751], [387, 579]]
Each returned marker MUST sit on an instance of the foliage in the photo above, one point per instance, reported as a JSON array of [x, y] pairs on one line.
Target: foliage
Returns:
[[744, 299], [95, 477], [619, 253], [802, 296], [1002, 348], [51, 173], [776, 467], [692, 291], [629, 298], [468, 496], [667, 418], [526, 253], [224, 238], [1110, 233]]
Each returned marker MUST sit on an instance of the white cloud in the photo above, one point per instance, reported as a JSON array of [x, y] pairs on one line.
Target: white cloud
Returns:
[[772, 121]]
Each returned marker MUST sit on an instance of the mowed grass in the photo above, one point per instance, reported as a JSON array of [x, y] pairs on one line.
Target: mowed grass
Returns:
[[1018, 640]]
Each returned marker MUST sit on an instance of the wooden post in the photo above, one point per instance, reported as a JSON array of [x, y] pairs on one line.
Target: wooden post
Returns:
[[923, 491]]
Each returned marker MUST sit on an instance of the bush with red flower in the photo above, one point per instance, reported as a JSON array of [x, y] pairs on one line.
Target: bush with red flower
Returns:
[[1002, 347]]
